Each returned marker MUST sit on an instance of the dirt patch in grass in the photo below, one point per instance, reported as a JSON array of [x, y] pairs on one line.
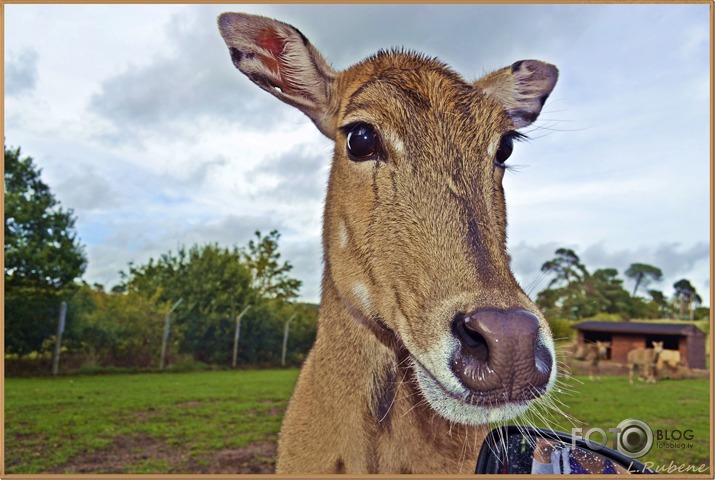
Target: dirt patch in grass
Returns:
[[275, 411], [129, 452], [256, 457], [277, 408], [609, 368], [144, 416], [126, 450]]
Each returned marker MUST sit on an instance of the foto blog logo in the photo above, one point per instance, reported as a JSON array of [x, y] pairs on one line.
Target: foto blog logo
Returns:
[[632, 437]]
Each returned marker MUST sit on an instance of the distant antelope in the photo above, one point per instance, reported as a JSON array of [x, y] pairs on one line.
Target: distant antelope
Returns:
[[592, 353], [669, 358], [424, 336], [645, 360], [670, 365]]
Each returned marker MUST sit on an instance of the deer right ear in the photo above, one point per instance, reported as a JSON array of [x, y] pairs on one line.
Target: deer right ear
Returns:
[[521, 88], [280, 60]]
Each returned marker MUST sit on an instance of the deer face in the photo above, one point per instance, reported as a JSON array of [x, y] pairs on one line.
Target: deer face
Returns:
[[415, 222], [603, 348]]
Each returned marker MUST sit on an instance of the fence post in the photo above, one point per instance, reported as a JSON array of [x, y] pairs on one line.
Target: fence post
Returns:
[[236, 335], [167, 326], [58, 342], [285, 340]]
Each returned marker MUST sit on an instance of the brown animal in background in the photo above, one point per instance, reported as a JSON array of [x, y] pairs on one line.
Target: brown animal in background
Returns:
[[592, 353], [424, 336], [644, 359], [670, 365], [670, 358]]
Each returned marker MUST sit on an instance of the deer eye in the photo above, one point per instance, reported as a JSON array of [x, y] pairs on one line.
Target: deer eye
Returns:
[[362, 142], [506, 146]]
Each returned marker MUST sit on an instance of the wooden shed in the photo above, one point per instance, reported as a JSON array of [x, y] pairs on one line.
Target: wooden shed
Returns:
[[625, 336]]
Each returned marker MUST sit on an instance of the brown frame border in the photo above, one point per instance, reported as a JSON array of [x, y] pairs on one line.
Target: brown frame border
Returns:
[[269, 476]]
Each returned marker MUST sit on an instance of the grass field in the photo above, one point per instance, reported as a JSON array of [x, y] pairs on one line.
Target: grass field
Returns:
[[202, 422], [227, 421]]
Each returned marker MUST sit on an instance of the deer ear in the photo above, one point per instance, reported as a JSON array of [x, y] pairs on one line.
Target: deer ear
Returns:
[[521, 88], [280, 60]]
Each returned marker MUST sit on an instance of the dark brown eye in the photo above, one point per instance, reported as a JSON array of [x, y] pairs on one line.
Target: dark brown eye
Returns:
[[506, 146], [362, 142]]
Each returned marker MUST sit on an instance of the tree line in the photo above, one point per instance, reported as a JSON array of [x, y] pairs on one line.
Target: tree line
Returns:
[[123, 326], [574, 293]]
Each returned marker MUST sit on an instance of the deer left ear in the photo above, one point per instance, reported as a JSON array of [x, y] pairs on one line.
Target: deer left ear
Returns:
[[521, 88], [280, 60]]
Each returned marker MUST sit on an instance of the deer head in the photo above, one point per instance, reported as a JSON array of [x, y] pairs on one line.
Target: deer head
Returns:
[[602, 348], [415, 219]]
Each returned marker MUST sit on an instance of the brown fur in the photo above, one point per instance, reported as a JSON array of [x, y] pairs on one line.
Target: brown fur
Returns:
[[670, 365], [645, 360], [592, 353], [410, 238], [669, 358]]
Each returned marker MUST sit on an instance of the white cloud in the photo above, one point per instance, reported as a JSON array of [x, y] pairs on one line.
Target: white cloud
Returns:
[[21, 72]]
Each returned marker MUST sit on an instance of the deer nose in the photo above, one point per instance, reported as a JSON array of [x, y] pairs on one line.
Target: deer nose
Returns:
[[501, 357]]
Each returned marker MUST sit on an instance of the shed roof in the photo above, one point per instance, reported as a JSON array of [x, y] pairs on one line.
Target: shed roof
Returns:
[[635, 327]]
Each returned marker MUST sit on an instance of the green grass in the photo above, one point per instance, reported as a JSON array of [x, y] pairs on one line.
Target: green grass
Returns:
[[52, 421], [174, 423]]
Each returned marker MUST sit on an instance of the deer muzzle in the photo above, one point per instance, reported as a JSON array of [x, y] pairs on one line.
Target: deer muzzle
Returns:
[[501, 357]]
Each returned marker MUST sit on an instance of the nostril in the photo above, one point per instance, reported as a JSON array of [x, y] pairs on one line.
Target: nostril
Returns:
[[473, 341]]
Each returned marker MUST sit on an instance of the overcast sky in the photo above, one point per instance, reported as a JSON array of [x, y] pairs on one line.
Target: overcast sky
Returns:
[[142, 125]]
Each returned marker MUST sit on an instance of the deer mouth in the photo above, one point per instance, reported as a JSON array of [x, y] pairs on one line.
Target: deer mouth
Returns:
[[469, 407], [493, 398], [464, 406]]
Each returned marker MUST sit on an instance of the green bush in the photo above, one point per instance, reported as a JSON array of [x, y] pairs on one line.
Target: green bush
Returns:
[[703, 325], [561, 328], [118, 329], [604, 317]]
